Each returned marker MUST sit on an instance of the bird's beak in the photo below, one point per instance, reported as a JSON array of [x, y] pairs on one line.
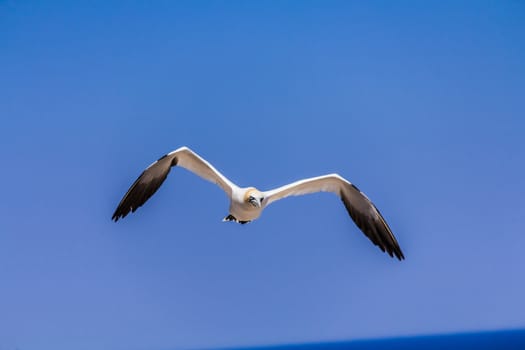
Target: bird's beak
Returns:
[[255, 203]]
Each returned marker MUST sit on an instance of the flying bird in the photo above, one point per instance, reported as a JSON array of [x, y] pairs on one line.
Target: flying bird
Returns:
[[247, 203]]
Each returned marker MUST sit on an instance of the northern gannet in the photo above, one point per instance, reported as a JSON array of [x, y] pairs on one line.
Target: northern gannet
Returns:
[[247, 203]]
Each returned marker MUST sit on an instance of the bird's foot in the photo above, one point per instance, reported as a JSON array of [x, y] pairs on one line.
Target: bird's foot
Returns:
[[230, 217]]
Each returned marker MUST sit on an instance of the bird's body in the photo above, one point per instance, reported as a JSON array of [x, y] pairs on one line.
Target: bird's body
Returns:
[[247, 203], [241, 209]]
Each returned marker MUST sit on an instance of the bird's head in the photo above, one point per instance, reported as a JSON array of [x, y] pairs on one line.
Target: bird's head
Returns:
[[254, 197]]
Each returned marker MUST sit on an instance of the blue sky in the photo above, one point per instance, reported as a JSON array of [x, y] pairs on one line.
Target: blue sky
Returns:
[[420, 104]]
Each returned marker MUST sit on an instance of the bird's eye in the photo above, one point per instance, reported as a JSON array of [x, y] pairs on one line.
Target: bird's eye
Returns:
[[262, 198]]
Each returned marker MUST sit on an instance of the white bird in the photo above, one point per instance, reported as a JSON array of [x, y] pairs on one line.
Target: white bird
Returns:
[[247, 203]]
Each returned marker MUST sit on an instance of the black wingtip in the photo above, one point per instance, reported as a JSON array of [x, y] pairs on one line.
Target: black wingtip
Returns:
[[395, 250], [378, 232], [115, 217], [392, 249], [118, 214], [144, 187]]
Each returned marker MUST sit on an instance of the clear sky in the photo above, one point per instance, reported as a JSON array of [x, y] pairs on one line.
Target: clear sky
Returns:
[[420, 104]]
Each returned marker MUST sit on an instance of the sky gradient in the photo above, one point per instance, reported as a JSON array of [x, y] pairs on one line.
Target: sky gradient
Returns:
[[420, 104]]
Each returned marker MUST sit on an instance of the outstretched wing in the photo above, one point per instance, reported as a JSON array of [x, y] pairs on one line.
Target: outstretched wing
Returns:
[[154, 175], [364, 213]]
